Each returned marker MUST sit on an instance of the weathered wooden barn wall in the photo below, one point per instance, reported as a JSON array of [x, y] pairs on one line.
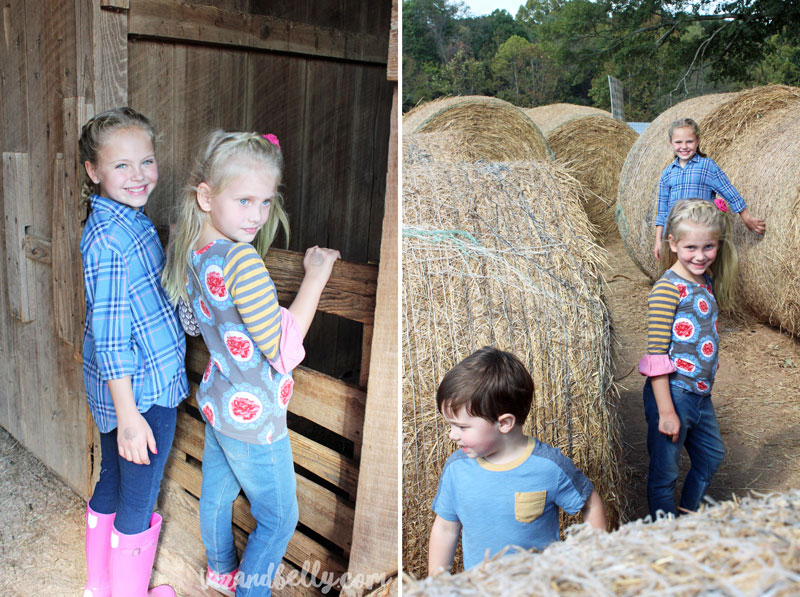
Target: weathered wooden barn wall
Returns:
[[41, 399]]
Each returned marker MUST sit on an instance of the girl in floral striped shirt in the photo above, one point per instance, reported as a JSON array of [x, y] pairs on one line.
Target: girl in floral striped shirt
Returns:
[[232, 200], [683, 352]]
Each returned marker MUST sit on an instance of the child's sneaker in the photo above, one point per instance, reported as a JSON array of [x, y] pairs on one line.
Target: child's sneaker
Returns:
[[224, 583]]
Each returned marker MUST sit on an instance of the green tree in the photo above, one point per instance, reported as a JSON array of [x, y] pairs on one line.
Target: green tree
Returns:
[[466, 76], [428, 28], [528, 76]]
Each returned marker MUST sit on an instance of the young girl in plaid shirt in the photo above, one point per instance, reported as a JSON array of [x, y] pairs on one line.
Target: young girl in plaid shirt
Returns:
[[133, 354], [692, 175]]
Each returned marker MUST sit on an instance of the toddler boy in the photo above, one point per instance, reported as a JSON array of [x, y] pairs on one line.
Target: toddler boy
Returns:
[[502, 487]]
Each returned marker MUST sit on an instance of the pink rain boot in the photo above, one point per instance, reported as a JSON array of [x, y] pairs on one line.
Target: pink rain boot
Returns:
[[132, 562], [98, 534]]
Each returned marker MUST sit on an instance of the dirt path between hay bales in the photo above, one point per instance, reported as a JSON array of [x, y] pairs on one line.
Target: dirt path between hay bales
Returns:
[[756, 394]]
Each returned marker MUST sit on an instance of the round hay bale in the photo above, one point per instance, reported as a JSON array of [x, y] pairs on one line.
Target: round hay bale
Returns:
[[754, 139], [594, 148], [742, 547], [752, 135], [552, 116], [502, 254], [638, 181], [497, 130]]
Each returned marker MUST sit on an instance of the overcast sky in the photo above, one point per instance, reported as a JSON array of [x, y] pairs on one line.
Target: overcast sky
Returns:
[[485, 7]]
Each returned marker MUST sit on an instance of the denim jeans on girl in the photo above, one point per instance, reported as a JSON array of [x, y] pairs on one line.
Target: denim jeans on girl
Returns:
[[266, 474], [131, 489], [700, 435]]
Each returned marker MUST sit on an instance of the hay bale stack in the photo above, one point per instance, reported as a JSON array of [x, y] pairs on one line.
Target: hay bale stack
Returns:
[[594, 148], [752, 135], [550, 117], [746, 547], [496, 130], [502, 254], [638, 180]]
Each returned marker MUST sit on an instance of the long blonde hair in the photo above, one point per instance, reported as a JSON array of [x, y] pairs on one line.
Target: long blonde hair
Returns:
[[707, 214], [216, 166]]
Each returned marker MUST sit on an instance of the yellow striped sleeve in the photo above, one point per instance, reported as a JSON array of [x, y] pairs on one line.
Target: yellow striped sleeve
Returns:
[[661, 306], [254, 296]]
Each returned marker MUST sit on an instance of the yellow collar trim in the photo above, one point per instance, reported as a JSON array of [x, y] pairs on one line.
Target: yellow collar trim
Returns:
[[507, 466]]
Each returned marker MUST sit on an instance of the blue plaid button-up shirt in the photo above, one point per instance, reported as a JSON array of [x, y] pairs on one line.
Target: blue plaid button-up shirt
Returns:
[[131, 328], [700, 178]]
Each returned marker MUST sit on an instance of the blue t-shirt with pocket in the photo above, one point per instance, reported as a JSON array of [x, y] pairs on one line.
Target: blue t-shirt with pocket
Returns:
[[515, 503]]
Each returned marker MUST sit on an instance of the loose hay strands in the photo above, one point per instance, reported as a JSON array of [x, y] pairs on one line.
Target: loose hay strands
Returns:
[[444, 147], [502, 254], [744, 548], [752, 135], [594, 149], [496, 130], [638, 180], [550, 117], [754, 139]]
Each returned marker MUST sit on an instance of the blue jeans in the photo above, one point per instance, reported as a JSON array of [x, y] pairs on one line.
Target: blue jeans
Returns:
[[266, 474], [131, 489], [700, 435]]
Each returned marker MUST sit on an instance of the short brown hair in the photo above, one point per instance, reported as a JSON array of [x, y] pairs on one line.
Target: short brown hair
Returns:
[[489, 383]]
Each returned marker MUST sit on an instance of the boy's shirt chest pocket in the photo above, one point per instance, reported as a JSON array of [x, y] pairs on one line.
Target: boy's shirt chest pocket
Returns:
[[529, 505]]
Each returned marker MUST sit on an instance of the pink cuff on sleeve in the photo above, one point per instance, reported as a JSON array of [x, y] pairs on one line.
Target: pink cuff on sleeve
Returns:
[[291, 352], [653, 365]]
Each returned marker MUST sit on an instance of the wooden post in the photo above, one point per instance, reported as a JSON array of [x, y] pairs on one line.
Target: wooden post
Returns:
[[374, 556], [18, 217], [110, 57]]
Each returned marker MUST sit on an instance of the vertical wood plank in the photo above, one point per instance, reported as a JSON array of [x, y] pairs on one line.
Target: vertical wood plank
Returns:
[[391, 63], [151, 88], [276, 104], [14, 79], [110, 34], [18, 217], [84, 56], [68, 271], [375, 536], [62, 256], [14, 135]]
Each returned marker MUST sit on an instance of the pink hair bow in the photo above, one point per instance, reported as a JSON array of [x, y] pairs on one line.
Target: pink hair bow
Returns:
[[720, 203], [272, 139]]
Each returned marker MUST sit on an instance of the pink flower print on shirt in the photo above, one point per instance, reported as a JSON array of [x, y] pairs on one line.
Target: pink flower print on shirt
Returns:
[[204, 308], [244, 407], [683, 328], [208, 413], [239, 345], [285, 390], [215, 283], [681, 289]]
